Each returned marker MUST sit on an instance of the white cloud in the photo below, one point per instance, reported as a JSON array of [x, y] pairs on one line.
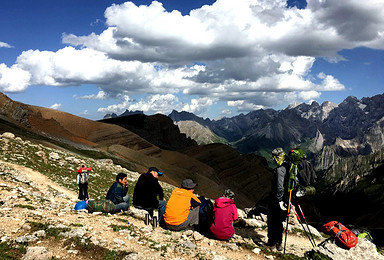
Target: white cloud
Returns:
[[199, 105], [55, 106], [13, 79], [159, 104], [100, 95], [309, 95], [85, 112], [243, 105], [255, 51], [150, 104], [116, 108], [5, 45], [226, 112]]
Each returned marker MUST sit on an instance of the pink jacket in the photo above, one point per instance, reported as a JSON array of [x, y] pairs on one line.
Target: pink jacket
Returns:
[[225, 212]]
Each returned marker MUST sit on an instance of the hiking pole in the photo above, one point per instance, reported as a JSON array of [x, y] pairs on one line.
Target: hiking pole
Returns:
[[302, 214], [286, 225], [301, 223]]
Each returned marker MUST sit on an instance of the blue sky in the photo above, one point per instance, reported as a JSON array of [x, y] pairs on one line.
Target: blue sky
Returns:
[[212, 58]]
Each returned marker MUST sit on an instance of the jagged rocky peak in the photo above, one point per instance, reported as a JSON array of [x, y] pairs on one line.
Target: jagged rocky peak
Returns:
[[131, 112], [187, 116], [318, 142], [293, 105], [112, 115], [313, 111], [126, 113], [326, 108]]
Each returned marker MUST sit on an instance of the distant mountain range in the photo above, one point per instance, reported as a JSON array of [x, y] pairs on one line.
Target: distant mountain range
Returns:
[[326, 124]]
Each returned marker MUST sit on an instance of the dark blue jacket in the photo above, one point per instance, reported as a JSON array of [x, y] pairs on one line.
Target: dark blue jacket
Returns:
[[116, 193]]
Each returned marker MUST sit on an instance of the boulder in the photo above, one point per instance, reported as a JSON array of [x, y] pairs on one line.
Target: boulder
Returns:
[[363, 250]]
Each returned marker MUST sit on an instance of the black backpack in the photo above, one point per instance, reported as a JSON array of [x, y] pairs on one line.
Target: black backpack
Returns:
[[205, 215]]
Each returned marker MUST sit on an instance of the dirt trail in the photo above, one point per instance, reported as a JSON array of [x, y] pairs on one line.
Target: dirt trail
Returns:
[[43, 182]]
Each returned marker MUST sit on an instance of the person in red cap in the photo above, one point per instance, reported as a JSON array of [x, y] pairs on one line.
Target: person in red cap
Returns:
[[82, 182]]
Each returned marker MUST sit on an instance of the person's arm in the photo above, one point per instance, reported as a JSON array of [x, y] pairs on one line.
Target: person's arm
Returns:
[[160, 191], [281, 171], [235, 214], [116, 194], [195, 202]]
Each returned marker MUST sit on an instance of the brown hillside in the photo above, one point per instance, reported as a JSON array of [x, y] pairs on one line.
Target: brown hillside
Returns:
[[213, 167]]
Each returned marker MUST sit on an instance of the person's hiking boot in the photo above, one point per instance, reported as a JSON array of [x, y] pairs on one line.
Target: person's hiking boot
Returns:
[[279, 247], [270, 245]]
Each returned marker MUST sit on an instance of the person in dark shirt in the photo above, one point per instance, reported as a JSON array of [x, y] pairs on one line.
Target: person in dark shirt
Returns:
[[117, 193], [276, 209], [148, 194]]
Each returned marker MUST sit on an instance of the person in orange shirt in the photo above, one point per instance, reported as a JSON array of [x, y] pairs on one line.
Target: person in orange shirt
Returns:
[[183, 206]]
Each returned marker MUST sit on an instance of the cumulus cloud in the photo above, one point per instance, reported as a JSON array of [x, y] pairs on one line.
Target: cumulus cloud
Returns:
[[163, 104], [55, 106], [309, 95], [150, 104], [244, 105], [13, 79], [5, 45], [249, 53], [198, 105]]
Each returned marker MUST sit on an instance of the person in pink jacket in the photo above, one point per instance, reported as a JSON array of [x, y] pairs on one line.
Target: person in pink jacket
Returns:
[[225, 212]]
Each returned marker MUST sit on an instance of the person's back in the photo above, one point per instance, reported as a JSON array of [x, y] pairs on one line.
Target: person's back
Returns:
[[148, 194], [183, 207], [178, 206], [82, 182], [146, 191], [225, 212]]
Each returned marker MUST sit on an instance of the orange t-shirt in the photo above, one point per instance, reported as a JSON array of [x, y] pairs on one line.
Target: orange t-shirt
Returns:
[[178, 206]]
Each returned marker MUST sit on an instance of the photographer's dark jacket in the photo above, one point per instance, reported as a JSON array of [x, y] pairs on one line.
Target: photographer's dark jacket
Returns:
[[279, 180]]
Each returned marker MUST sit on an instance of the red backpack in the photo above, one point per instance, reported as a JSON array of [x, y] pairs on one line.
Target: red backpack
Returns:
[[342, 234]]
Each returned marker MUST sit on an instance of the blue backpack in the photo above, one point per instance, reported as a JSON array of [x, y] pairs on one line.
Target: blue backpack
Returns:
[[81, 205]]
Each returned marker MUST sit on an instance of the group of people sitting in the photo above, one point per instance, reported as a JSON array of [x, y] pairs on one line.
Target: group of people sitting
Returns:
[[182, 211]]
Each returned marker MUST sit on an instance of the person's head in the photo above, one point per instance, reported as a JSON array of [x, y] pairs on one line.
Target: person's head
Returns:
[[228, 193], [278, 155], [121, 178], [188, 184], [155, 172], [82, 166]]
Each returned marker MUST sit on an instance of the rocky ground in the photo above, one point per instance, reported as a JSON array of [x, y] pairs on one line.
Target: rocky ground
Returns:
[[38, 221]]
